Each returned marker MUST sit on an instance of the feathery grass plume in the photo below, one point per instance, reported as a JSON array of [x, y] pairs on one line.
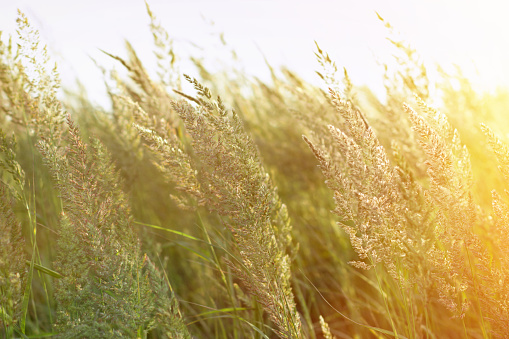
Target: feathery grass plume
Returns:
[[450, 180], [382, 208], [38, 107], [27, 88], [233, 183], [366, 190], [9, 164], [10, 82], [108, 288], [328, 74], [167, 60], [325, 329], [174, 163], [277, 113], [151, 95], [495, 299], [500, 149], [466, 109], [13, 271], [471, 261], [412, 72], [438, 262], [167, 313], [12, 266], [405, 76]]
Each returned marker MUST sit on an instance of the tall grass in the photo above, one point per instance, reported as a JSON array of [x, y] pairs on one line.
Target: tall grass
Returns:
[[201, 207]]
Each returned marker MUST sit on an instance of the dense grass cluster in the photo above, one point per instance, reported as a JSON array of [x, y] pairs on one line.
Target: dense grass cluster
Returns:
[[277, 209]]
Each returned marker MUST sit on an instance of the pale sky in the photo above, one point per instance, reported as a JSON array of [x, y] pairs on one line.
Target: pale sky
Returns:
[[472, 34]]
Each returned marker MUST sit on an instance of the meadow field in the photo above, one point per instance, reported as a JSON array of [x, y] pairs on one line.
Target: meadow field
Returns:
[[226, 206]]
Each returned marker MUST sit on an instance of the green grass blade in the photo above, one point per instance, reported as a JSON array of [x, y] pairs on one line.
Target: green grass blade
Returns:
[[28, 289], [223, 310], [21, 334], [46, 270], [168, 230]]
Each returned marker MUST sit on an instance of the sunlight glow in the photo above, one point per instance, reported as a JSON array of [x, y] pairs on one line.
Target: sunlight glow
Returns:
[[469, 34]]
